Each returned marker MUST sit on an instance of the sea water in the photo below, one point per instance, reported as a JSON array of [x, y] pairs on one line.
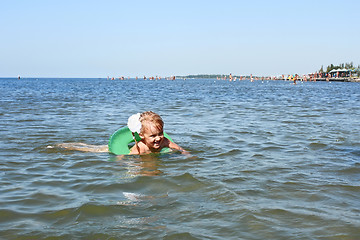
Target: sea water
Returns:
[[269, 160]]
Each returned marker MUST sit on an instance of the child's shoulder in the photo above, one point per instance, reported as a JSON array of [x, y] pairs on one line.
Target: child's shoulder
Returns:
[[138, 148]]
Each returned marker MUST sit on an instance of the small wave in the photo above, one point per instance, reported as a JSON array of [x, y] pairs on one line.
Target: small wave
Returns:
[[83, 213], [176, 236], [349, 170], [317, 145], [10, 215], [232, 152], [272, 148], [342, 187], [186, 183]]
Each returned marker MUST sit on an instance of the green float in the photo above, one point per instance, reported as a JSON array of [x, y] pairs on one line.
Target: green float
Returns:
[[119, 142]]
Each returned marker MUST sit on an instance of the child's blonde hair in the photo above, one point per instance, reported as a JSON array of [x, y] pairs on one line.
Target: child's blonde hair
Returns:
[[149, 117]]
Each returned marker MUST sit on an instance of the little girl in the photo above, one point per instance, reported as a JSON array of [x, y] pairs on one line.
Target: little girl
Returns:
[[152, 134], [148, 124]]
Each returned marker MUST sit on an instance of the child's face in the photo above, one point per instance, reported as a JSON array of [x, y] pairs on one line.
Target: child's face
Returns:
[[152, 137]]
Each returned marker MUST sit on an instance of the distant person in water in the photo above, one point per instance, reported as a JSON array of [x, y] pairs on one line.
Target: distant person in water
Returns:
[[151, 131], [295, 78]]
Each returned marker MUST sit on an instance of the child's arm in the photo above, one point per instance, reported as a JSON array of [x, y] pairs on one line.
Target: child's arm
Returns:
[[173, 145]]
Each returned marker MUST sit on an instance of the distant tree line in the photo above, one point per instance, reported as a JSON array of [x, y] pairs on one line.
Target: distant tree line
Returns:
[[342, 65]]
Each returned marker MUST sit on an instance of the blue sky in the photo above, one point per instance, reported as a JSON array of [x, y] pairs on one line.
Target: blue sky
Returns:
[[41, 38]]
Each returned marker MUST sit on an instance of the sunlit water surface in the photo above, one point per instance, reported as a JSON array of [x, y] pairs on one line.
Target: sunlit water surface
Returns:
[[269, 160]]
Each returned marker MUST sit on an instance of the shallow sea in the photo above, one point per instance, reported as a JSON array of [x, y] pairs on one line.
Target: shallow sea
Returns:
[[269, 160]]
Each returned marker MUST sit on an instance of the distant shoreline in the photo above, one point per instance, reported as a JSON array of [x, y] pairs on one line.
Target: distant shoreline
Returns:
[[213, 77]]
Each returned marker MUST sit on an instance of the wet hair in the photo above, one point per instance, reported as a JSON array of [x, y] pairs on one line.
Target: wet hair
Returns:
[[151, 118]]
